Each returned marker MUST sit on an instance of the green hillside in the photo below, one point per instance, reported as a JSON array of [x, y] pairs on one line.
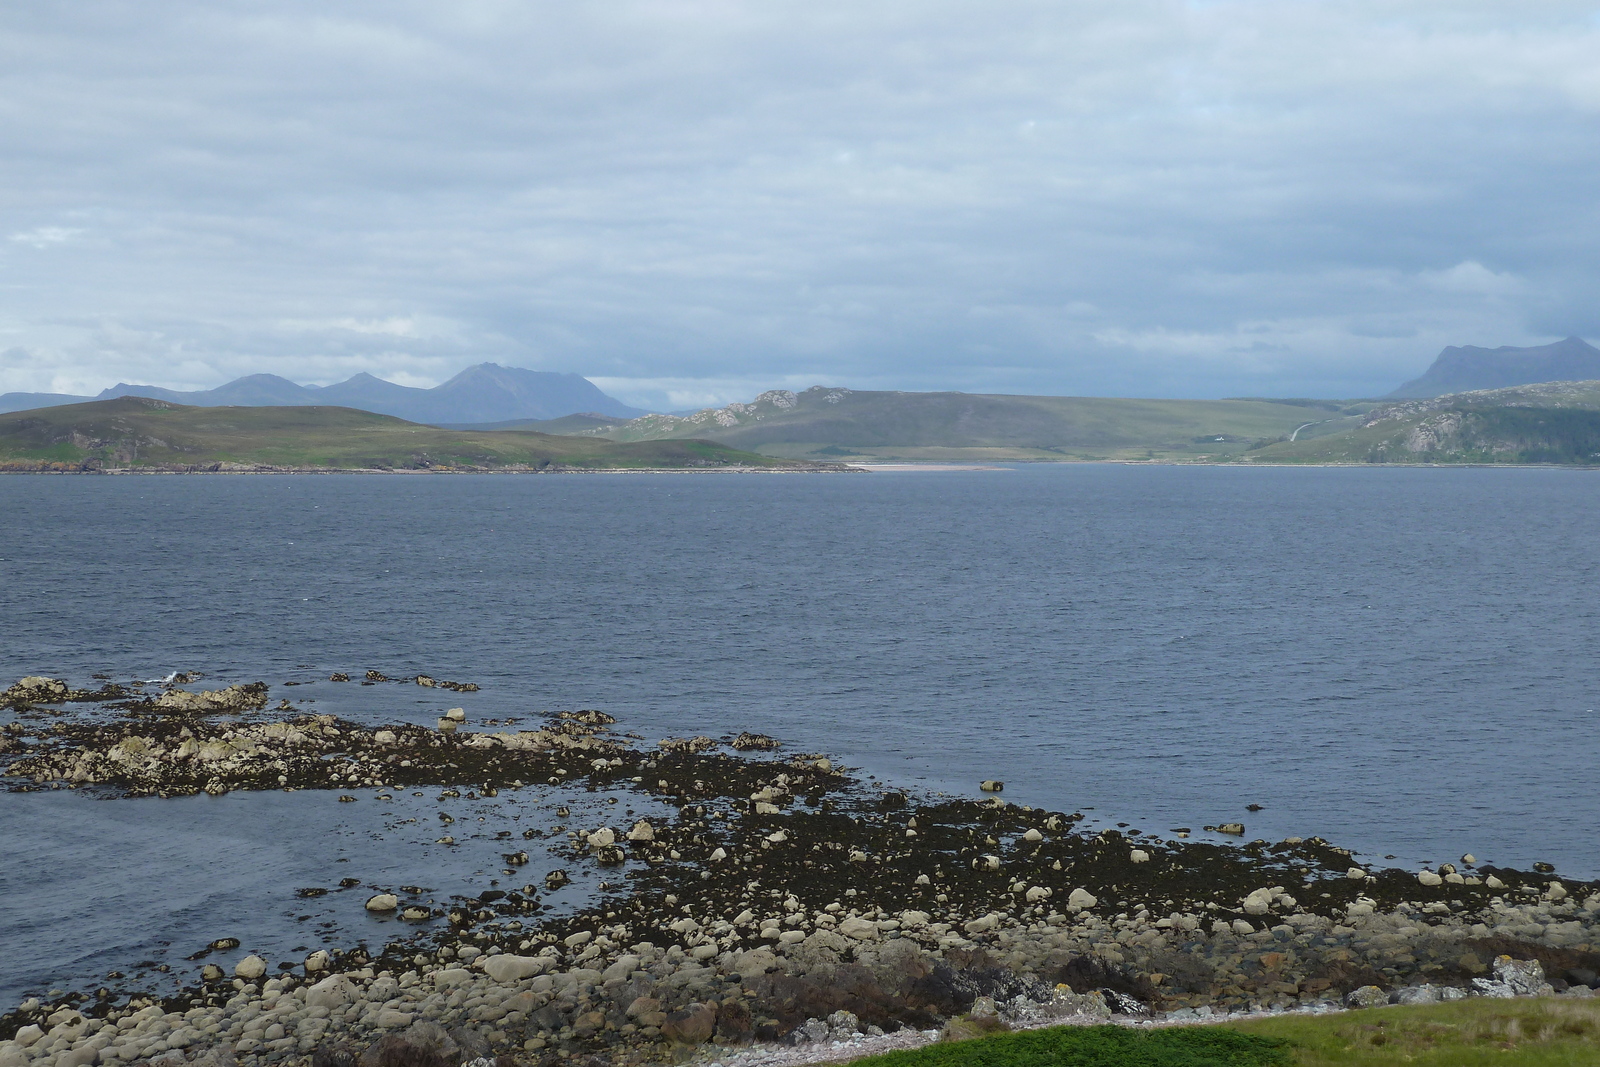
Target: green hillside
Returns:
[[854, 425], [1554, 422], [144, 434]]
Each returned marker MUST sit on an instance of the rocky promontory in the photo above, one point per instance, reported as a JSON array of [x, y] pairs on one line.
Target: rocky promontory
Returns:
[[779, 899]]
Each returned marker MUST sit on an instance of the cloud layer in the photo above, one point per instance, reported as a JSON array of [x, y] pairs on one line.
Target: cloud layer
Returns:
[[696, 198]]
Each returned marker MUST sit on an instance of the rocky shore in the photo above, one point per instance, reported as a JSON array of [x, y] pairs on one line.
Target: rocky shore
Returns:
[[784, 901]]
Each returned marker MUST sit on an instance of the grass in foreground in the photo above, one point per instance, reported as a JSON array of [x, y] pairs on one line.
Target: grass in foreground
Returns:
[[1543, 1032], [1539, 1032], [1098, 1046]]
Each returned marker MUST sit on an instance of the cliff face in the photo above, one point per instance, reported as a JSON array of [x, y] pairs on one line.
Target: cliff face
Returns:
[[1467, 367]]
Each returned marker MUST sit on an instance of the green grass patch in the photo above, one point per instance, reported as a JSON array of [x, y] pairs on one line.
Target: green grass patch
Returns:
[[1536, 1032], [1098, 1046], [1524, 1032]]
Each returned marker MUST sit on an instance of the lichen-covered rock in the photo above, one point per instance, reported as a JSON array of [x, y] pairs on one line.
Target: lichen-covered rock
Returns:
[[252, 697], [1368, 996]]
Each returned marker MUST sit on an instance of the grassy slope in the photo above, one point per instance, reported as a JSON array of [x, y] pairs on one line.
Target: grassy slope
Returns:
[[136, 432], [1097, 1046], [953, 426], [1542, 1032], [1555, 422]]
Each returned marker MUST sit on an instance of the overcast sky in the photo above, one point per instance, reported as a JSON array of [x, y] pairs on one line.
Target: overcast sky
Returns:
[[692, 201]]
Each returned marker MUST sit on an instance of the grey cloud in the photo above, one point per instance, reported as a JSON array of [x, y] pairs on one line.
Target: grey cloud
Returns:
[[1148, 198]]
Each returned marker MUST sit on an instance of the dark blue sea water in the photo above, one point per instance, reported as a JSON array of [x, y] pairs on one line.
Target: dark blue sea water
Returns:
[[1403, 661]]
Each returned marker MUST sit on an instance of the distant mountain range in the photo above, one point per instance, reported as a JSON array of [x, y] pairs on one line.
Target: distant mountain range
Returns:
[[1465, 368], [487, 392], [143, 434]]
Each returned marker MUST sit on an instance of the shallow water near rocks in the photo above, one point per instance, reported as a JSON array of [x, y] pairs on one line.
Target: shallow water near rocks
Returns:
[[1402, 661]]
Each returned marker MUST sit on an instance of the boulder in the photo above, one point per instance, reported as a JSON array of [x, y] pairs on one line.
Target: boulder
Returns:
[[1081, 898], [1368, 996], [1259, 902], [1138, 855], [506, 968], [1429, 878], [250, 968], [623, 967], [859, 929], [252, 697], [693, 1025], [991, 786], [1416, 994], [383, 902], [642, 831], [1514, 978], [334, 991], [36, 689], [602, 837]]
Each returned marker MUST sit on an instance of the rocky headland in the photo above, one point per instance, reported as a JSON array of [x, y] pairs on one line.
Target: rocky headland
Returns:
[[784, 900]]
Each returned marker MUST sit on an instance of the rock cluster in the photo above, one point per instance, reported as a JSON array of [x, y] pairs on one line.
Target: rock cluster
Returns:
[[784, 901]]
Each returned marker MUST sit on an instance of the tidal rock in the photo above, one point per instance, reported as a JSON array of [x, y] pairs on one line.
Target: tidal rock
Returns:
[[748, 742], [383, 902], [860, 929], [506, 968], [250, 968], [603, 836], [642, 831], [991, 786], [252, 697], [334, 991], [1429, 878], [1356, 874], [983, 924], [36, 689], [1138, 855], [1081, 898], [1259, 902], [317, 961]]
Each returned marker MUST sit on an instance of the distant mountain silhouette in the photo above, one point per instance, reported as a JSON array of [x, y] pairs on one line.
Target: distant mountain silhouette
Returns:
[[487, 392], [1460, 369]]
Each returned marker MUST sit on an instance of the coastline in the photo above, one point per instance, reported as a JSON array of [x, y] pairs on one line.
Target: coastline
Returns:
[[248, 469], [784, 890]]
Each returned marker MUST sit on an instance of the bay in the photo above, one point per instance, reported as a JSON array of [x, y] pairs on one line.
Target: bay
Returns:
[[1400, 660]]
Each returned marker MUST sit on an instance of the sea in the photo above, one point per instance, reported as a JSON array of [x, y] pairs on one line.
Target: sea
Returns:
[[1405, 661]]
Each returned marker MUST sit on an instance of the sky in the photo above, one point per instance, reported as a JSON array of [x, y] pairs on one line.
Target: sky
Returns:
[[691, 201]]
